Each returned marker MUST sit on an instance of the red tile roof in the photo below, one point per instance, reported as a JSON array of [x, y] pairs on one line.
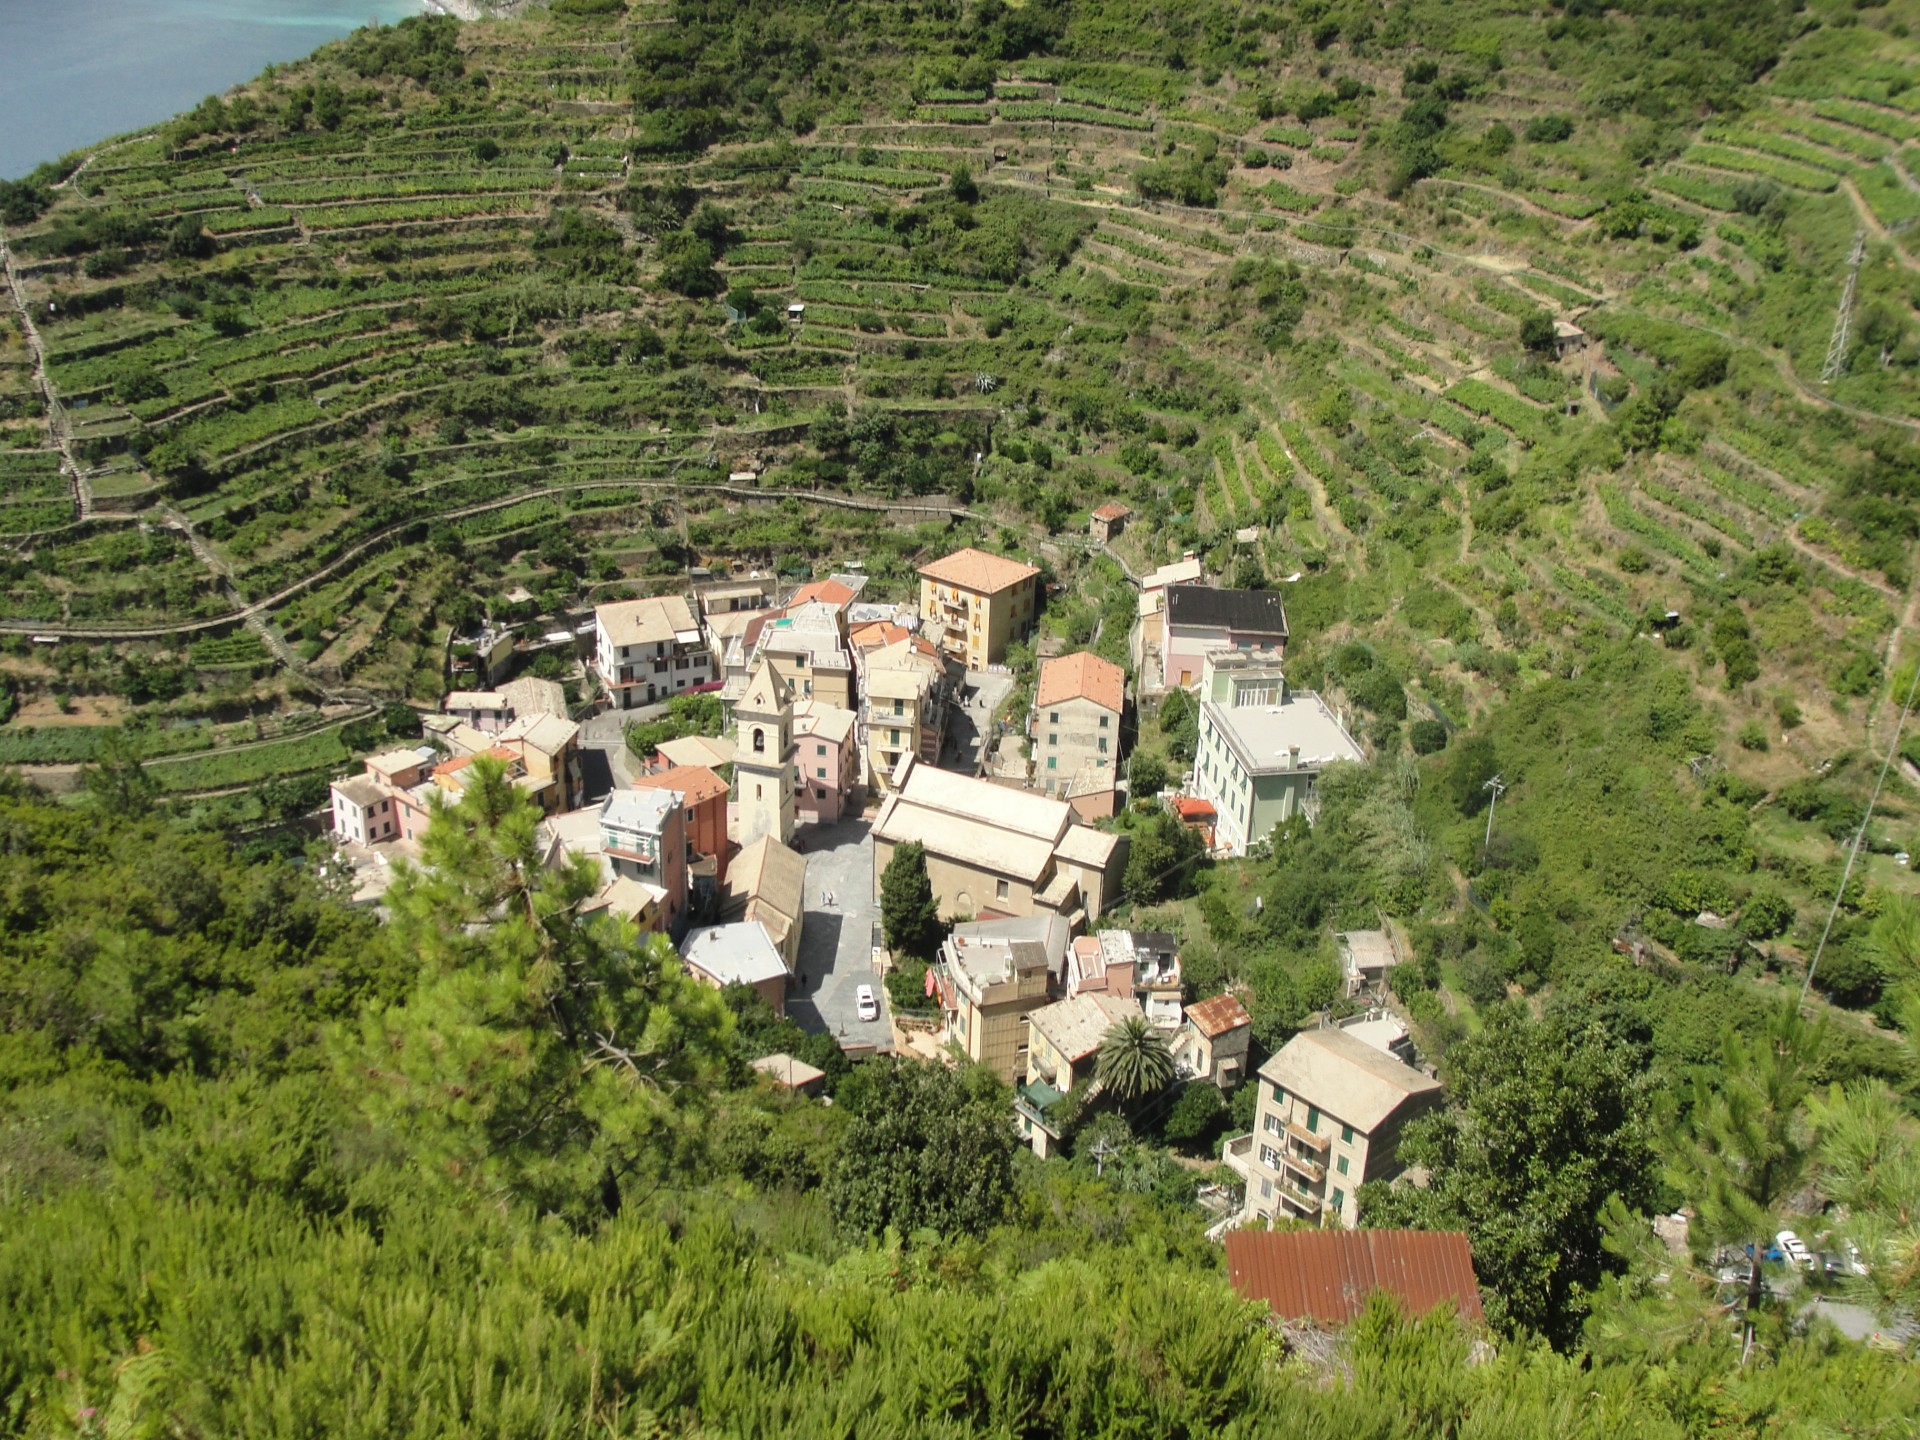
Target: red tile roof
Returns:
[[1112, 510], [976, 570], [878, 632], [1082, 676], [827, 592], [1191, 807], [1214, 1018], [1327, 1275], [696, 782]]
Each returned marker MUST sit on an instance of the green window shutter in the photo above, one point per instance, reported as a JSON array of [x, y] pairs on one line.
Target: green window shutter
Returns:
[[1346, 1134], [1339, 1199], [1341, 1165], [1313, 1119], [1279, 1095]]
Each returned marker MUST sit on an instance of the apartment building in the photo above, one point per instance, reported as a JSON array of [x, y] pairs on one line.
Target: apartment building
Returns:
[[1329, 1117], [987, 984], [973, 604], [1262, 747], [903, 687], [643, 837], [1201, 619], [826, 749], [1074, 725], [648, 650]]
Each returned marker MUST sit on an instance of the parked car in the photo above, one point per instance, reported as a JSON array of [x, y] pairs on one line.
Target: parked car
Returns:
[[864, 1004], [1794, 1250]]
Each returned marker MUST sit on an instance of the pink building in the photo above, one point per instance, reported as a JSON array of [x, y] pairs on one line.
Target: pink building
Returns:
[[371, 808], [1200, 619], [827, 762]]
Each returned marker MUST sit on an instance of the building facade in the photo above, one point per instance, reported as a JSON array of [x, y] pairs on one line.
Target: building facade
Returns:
[[987, 986], [643, 837], [826, 762], [1200, 619], [973, 604], [649, 650], [764, 763], [1329, 1117], [1261, 748], [1075, 721], [995, 851]]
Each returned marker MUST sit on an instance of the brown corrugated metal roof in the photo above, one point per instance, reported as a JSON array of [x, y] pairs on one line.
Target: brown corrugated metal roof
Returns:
[[1327, 1275]]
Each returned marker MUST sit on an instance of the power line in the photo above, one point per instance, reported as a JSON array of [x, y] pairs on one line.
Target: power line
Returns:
[[1853, 852]]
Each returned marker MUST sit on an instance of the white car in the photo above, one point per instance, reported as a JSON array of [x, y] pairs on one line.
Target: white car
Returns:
[[1794, 1249], [864, 1004]]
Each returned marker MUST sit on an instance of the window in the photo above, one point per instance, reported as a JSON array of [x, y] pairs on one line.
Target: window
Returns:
[[1103, 721], [1279, 1095], [1103, 744], [999, 889], [1054, 718], [759, 741], [1266, 1189], [1053, 739], [1053, 762], [899, 707], [1346, 1134], [819, 772], [1270, 1157], [1339, 1199], [759, 792], [1273, 1126], [1313, 1119], [893, 737], [1341, 1165], [819, 794], [819, 749]]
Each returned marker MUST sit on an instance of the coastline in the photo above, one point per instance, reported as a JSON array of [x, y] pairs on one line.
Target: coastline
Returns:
[[471, 9]]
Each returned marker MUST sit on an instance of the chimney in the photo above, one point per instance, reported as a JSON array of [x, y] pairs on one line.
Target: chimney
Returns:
[[1293, 756]]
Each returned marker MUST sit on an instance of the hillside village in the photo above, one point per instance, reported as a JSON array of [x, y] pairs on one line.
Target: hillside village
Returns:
[[852, 730], [1221, 695]]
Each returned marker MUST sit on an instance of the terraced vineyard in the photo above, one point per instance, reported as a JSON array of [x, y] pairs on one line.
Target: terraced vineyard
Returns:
[[451, 315]]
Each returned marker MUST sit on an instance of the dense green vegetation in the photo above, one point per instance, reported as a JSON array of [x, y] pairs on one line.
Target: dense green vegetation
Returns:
[[451, 323], [272, 1167]]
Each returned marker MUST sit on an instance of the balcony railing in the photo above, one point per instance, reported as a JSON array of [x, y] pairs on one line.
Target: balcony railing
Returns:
[[1306, 1205], [1309, 1138], [1301, 1165], [1238, 1155]]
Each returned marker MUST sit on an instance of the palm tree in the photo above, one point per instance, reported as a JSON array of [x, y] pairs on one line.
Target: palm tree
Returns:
[[1133, 1059]]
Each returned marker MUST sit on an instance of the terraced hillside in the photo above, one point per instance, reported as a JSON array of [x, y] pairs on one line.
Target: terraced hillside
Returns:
[[297, 383]]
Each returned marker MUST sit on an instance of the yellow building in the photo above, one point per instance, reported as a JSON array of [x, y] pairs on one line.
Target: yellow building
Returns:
[[972, 604]]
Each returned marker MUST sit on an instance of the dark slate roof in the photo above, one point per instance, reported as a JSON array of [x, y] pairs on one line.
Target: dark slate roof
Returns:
[[1327, 1275], [1257, 611]]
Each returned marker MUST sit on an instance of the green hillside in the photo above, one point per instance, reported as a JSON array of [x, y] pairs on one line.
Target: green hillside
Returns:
[[1496, 336]]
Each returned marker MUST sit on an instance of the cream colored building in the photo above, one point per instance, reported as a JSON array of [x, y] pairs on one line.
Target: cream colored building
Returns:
[[987, 985], [1075, 721], [647, 650], [1329, 1118], [1063, 1045], [972, 604], [902, 708], [992, 850], [764, 758]]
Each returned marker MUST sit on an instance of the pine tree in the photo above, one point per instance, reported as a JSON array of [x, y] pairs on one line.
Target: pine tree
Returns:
[[909, 915], [1133, 1060], [1749, 1150], [117, 782], [546, 1049]]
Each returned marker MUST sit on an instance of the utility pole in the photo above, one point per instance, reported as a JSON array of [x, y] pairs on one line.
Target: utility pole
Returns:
[[1843, 322], [1495, 788]]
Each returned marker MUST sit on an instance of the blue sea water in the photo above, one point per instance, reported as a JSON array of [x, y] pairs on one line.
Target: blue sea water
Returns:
[[76, 71]]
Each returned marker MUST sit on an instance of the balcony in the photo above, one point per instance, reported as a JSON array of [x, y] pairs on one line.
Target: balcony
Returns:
[[1306, 1206], [1238, 1156], [1308, 1138], [1300, 1165]]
